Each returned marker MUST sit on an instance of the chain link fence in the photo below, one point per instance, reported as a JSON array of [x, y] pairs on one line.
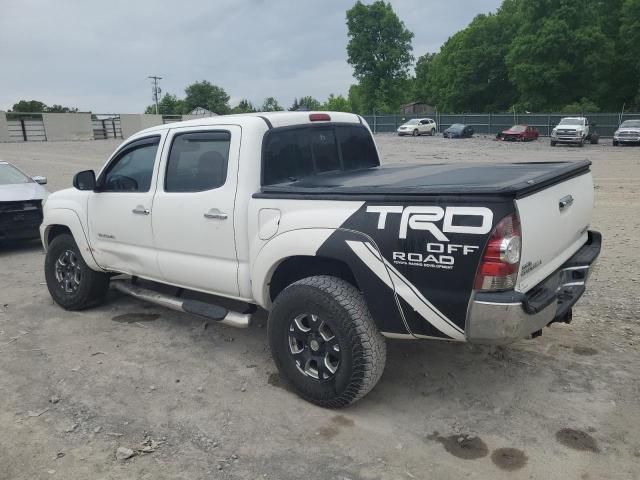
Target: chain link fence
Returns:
[[492, 123]]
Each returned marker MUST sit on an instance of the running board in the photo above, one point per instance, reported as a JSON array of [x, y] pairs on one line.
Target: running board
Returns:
[[194, 307]]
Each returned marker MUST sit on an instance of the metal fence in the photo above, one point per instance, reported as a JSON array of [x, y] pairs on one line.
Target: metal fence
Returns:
[[492, 123], [27, 127], [106, 126]]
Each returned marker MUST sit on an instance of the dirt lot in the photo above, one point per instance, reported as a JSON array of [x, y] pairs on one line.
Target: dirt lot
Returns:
[[76, 386]]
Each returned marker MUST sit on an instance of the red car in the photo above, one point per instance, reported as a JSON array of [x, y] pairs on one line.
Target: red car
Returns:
[[520, 133]]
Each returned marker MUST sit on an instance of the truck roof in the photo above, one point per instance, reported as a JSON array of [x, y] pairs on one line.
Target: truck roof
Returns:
[[269, 119]]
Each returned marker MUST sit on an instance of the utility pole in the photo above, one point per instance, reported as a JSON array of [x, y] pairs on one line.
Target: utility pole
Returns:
[[156, 89]]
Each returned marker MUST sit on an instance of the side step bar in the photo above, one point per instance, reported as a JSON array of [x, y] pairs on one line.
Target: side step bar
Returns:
[[194, 307]]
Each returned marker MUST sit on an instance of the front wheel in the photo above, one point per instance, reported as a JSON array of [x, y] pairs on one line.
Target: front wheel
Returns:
[[416, 132], [71, 283], [433, 132], [615, 144], [324, 341], [552, 143]]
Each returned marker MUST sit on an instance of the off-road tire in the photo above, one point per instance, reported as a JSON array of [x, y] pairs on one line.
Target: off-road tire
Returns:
[[92, 286], [362, 347]]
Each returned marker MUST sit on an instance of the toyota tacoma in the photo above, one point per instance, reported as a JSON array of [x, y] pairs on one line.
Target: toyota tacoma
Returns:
[[293, 212]]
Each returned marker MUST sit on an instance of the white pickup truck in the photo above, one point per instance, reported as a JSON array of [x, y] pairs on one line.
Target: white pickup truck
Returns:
[[293, 212], [574, 130]]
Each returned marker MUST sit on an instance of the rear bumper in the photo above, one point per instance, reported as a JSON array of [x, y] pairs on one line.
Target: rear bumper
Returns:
[[504, 317]]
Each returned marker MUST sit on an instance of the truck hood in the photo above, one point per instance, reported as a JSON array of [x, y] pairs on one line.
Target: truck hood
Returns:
[[22, 191], [502, 179]]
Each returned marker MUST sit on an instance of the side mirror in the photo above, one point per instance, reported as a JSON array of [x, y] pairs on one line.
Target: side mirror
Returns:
[[85, 180], [40, 180]]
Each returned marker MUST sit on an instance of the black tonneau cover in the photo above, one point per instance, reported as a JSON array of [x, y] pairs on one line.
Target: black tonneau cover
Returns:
[[498, 179]]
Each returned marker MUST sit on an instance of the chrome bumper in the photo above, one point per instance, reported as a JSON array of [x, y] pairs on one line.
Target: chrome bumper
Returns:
[[504, 317]]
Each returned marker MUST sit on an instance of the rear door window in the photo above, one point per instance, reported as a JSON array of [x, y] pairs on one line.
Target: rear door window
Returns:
[[197, 161]]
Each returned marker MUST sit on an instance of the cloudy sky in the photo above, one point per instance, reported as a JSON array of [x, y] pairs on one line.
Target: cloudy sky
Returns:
[[97, 55]]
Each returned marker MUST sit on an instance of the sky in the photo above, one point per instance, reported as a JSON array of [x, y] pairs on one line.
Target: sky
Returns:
[[96, 56]]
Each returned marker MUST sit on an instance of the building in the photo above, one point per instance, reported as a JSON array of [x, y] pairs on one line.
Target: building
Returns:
[[417, 108]]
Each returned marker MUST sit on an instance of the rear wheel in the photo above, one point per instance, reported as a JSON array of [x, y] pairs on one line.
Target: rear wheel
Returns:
[[71, 283], [416, 132], [324, 341]]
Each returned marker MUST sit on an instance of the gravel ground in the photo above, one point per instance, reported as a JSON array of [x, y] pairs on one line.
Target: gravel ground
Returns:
[[74, 387]]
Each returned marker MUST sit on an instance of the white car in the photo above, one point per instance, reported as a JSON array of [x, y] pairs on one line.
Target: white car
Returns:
[[418, 126], [21, 199]]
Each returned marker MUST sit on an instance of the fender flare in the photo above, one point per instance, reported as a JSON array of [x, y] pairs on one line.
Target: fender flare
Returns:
[[69, 218], [307, 242]]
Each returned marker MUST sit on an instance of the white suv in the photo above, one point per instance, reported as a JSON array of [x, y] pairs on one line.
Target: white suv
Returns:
[[418, 126]]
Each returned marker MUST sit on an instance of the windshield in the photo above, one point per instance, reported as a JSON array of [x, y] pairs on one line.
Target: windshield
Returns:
[[9, 175], [630, 124], [413, 121], [518, 128], [570, 121], [457, 126]]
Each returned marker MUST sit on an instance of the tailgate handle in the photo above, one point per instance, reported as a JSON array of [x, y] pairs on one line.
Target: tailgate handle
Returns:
[[565, 202]]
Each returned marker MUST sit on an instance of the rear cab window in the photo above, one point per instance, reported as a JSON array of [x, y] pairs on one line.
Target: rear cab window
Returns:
[[292, 153]]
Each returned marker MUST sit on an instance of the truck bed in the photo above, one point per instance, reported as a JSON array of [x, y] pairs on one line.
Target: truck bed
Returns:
[[514, 180]]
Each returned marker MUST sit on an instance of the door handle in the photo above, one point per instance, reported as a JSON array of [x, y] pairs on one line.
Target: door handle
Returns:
[[215, 213], [140, 210]]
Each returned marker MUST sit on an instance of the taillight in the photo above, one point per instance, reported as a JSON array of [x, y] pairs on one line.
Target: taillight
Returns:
[[319, 117], [501, 260]]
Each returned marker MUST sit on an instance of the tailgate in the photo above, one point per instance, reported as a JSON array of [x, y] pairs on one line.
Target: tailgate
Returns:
[[554, 225]]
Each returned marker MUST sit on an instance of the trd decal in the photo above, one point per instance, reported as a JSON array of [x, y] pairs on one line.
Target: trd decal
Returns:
[[405, 289], [438, 255], [425, 218]]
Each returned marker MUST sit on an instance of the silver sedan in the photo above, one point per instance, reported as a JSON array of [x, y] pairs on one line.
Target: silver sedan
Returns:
[[21, 199]]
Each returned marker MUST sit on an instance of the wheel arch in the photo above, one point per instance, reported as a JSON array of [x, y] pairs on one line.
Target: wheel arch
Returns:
[[62, 220], [297, 254]]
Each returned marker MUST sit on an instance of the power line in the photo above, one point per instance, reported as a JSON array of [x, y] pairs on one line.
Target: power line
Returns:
[[156, 90]]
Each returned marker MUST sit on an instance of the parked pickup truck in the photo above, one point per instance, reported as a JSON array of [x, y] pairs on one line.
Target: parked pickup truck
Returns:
[[574, 130], [294, 213]]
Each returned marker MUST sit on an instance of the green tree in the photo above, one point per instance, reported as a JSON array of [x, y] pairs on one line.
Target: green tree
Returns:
[[294, 106], [60, 109], [270, 104], [244, 106], [29, 106], [206, 95], [309, 103], [421, 82], [337, 104], [379, 49], [355, 99], [168, 105], [628, 68]]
